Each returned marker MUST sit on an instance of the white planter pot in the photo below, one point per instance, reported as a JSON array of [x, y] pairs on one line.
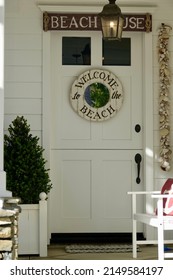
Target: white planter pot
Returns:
[[32, 235], [28, 229]]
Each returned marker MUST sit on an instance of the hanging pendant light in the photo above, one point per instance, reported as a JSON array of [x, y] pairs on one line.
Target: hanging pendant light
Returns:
[[112, 21]]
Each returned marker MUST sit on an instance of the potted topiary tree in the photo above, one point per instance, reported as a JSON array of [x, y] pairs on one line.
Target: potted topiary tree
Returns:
[[27, 178]]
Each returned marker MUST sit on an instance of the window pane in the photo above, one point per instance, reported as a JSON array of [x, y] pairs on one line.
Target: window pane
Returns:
[[76, 51], [117, 52]]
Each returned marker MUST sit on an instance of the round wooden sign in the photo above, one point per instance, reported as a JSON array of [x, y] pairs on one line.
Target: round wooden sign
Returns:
[[96, 95]]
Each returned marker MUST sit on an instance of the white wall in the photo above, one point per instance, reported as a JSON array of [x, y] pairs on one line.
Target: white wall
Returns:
[[23, 64]]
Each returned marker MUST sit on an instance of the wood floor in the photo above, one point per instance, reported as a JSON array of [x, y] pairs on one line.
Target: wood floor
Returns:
[[57, 252]]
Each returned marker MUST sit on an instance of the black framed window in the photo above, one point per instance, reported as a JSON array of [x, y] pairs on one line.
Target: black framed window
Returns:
[[76, 51], [117, 52]]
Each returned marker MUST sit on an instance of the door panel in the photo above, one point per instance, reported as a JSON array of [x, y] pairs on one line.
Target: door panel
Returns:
[[92, 191], [92, 163]]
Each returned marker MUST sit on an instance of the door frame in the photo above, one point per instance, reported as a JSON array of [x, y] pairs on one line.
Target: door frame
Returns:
[[147, 89]]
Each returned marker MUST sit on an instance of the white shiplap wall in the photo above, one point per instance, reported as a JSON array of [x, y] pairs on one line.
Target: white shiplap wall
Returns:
[[23, 65]]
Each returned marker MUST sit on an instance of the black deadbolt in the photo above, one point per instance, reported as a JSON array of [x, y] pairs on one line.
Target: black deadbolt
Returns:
[[137, 128]]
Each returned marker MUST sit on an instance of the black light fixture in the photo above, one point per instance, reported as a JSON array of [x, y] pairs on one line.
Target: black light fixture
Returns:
[[112, 21]]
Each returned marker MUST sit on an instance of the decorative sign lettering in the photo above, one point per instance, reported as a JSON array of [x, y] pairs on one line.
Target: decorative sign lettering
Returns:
[[54, 21], [96, 95]]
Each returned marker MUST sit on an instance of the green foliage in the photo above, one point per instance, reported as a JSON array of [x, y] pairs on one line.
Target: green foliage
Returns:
[[99, 95], [24, 163]]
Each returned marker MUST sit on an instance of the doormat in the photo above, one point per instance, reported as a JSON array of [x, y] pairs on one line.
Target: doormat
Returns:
[[99, 248]]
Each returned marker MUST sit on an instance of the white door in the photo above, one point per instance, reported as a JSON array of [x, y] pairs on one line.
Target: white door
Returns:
[[93, 163]]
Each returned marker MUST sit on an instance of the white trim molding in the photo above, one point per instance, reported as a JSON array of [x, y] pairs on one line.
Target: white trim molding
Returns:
[[89, 8], [3, 191]]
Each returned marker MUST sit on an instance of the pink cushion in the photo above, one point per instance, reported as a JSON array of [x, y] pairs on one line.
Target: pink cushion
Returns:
[[168, 202]]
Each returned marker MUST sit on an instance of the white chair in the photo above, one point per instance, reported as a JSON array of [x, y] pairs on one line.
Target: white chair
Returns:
[[157, 220]]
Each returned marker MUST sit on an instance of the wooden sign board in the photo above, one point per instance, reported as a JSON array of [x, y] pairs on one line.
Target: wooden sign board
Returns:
[[55, 21]]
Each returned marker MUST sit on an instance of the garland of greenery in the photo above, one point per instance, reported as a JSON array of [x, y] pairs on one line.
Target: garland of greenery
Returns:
[[164, 100]]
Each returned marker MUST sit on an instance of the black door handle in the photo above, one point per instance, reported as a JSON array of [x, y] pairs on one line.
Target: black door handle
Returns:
[[138, 160]]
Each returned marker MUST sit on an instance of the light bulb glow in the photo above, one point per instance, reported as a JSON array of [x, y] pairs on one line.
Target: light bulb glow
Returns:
[[111, 24]]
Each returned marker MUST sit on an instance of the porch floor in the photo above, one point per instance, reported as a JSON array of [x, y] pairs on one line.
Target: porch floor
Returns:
[[57, 252]]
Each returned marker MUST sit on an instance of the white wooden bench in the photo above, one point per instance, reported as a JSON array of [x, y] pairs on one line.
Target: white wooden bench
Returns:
[[159, 221]]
